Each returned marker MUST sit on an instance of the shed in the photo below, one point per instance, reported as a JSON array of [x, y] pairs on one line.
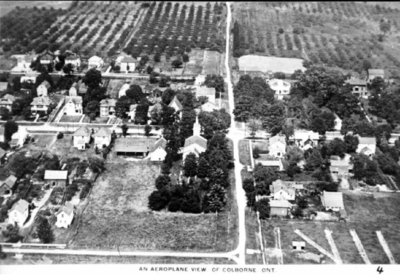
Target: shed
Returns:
[[332, 200]]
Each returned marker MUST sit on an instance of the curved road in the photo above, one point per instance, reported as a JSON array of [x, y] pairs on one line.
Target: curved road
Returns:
[[238, 255]]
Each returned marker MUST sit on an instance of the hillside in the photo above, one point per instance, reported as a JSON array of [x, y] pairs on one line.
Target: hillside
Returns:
[[335, 34]]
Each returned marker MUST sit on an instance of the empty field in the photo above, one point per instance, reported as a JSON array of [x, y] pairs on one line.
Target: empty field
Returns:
[[117, 217]]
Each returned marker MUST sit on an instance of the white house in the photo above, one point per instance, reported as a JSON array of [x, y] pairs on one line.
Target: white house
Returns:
[[123, 89], [19, 137], [281, 88], [102, 137], [176, 104], [338, 123], [73, 106], [359, 87], [375, 73], [18, 213], [330, 135], [203, 91], [209, 106], [366, 145], [107, 107], [96, 62], [28, 79], [284, 190], [74, 60], [127, 64], [82, 137], [280, 208], [23, 63], [340, 167], [277, 146], [73, 91], [65, 215], [40, 104], [158, 152], [46, 59], [43, 89], [56, 177], [132, 112], [200, 79], [195, 144], [332, 201], [305, 139]]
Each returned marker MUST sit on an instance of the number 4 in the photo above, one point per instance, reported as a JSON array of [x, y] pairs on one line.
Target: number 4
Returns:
[[379, 269]]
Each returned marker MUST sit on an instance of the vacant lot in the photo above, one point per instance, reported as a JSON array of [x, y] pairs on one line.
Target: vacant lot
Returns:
[[366, 215], [66, 118], [6, 6], [244, 152], [211, 63], [117, 217]]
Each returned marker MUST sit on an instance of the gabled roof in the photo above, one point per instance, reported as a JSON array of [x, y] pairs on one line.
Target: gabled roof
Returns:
[[332, 199], [280, 204], [74, 99], [42, 100], [367, 140], [160, 143], [196, 139], [46, 84], [128, 59], [176, 102], [95, 59], [46, 56], [20, 206], [277, 139], [2, 152], [376, 72], [10, 181], [356, 81], [103, 132], [72, 57], [68, 209], [3, 86], [55, 175], [205, 91], [82, 131], [108, 102]]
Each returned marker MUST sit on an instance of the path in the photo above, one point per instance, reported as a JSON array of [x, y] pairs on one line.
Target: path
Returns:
[[359, 246], [385, 247], [261, 239], [334, 249], [278, 247], [315, 245], [235, 135]]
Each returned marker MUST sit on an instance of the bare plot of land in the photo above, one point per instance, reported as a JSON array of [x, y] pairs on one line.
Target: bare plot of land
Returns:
[[270, 64], [244, 152], [117, 217], [43, 140], [211, 63]]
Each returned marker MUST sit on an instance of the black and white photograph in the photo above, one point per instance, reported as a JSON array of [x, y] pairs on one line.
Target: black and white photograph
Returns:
[[253, 139]]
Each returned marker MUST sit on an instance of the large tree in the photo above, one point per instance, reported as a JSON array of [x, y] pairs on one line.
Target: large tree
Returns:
[[215, 199], [10, 127], [92, 78], [135, 93], [190, 165], [44, 231]]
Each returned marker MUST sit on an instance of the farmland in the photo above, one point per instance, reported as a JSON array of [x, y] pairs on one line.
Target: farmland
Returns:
[[117, 216], [335, 34], [91, 28]]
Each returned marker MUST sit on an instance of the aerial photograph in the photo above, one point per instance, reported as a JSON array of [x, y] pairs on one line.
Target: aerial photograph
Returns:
[[199, 133]]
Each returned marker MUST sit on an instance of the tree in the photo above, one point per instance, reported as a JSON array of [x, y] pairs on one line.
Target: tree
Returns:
[[68, 69], [314, 160], [351, 143], [185, 57], [215, 199], [147, 130], [142, 112], [157, 57], [190, 165], [10, 127], [96, 164], [254, 125], [135, 93], [274, 118], [263, 208], [92, 78], [5, 113], [163, 181], [279, 75], [215, 81], [217, 121], [167, 96], [336, 147], [322, 122], [122, 106], [92, 109], [384, 26], [177, 63], [203, 168], [44, 231], [12, 233], [365, 169], [159, 199], [124, 129]]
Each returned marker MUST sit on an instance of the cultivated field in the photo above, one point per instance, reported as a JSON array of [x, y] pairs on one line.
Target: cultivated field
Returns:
[[366, 216], [336, 34], [7, 6], [118, 217]]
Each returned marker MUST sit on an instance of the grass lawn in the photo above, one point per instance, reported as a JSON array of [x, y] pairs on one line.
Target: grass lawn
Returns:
[[64, 147], [211, 63], [195, 64], [117, 216], [43, 140], [244, 152], [66, 118]]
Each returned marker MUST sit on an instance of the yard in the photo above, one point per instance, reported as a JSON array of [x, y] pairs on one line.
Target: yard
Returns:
[[367, 214], [117, 217], [244, 152], [64, 148], [74, 119]]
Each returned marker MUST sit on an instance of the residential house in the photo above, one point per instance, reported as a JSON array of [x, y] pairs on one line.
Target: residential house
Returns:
[[6, 102], [102, 138], [280, 208], [2, 133], [394, 136], [18, 213], [280, 87], [340, 167], [330, 135], [46, 59], [277, 146], [284, 190], [65, 215], [127, 64], [73, 106], [158, 152], [200, 79], [305, 139], [18, 138], [40, 105], [7, 184], [366, 145], [73, 91], [43, 89], [270, 161], [23, 62], [132, 112], [375, 73], [134, 146], [122, 91], [82, 137], [195, 144], [74, 60], [209, 106], [56, 177], [332, 201], [176, 104], [359, 87], [107, 107], [82, 87], [209, 92], [28, 79], [3, 86], [338, 123], [96, 62]]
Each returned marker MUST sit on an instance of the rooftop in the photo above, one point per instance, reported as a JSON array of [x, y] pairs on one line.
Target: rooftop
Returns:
[[367, 140], [20, 206], [332, 199], [55, 175], [280, 204], [196, 139]]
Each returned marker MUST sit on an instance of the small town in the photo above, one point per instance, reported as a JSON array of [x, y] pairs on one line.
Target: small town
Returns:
[[148, 132]]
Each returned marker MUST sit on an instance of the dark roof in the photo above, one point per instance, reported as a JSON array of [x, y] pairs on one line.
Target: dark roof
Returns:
[[196, 139], [159, 143]]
